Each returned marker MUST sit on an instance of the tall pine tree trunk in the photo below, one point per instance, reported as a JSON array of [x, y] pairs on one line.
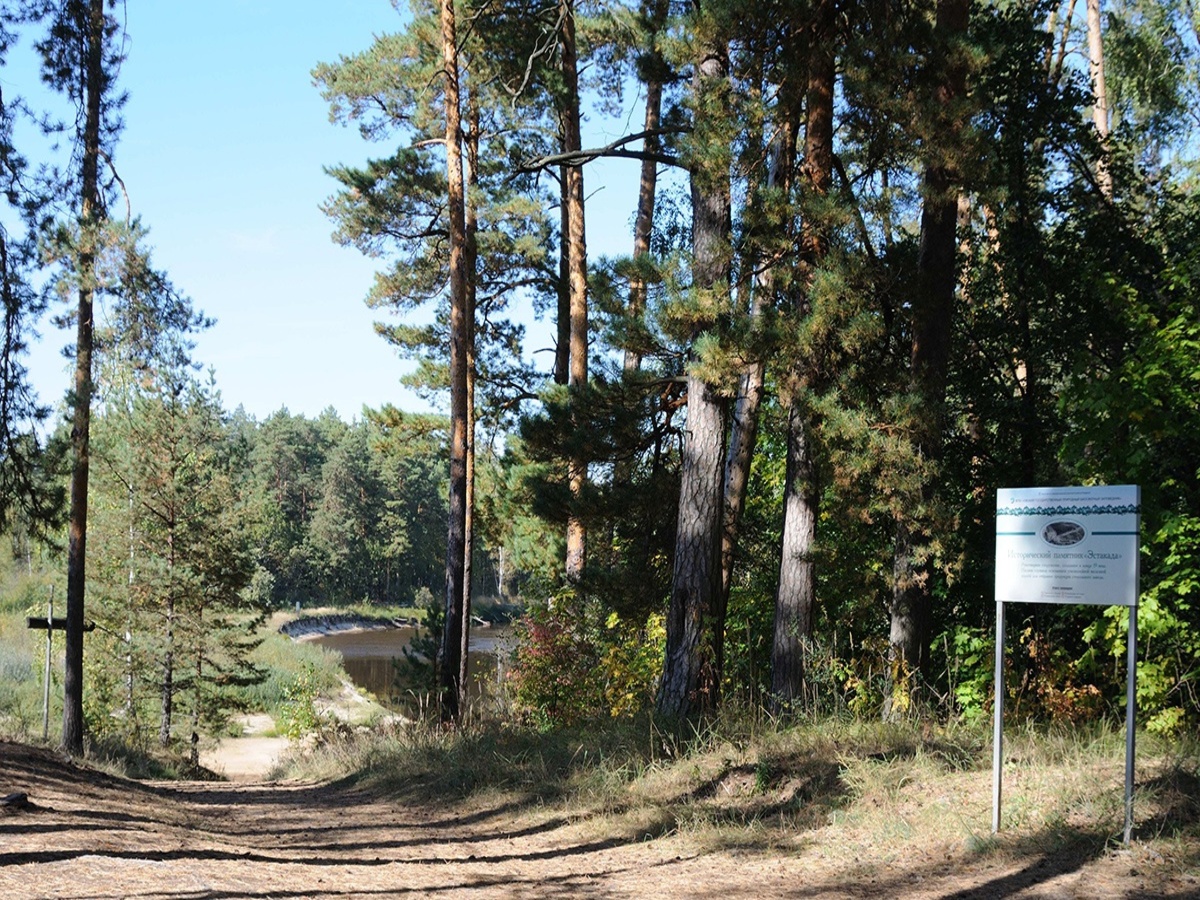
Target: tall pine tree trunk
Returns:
[[90, 217], [796, 594], [470, 262], [562, 341], [450, 678], [743, 431], [690, 670], [198, 689], [1100, 94], [932, 314], [643, 225], [167, 688], [576, 278]]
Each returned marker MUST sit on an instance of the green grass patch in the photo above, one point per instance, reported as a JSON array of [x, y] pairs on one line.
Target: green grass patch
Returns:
[[287, 663]]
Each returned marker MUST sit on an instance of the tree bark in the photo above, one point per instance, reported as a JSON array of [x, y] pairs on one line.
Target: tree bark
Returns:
[[470, 263], [932, 314], [690, 683], [743, 432], [643, 225], [450, 680], [577, 279], [1100, 94], [796, 594], [90, 216], [562, 344], [167, 704]]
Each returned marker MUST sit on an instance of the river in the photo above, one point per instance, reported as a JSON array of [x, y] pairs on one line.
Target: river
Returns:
[[369, 658]]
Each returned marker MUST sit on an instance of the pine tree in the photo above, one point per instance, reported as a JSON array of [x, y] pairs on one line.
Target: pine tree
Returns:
[[689, 683], [796, 595], [932, 315], [172, 555], [405, 204], [24, 492], [79, 58], [575, 242]]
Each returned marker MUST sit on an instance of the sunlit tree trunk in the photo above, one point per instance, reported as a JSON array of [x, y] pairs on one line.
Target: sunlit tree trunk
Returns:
[[689, 681], [932, 313], [1100, 93], [562, 343], [90, 216], [796, 593], [452, 636], [470, 261], [576, 278]]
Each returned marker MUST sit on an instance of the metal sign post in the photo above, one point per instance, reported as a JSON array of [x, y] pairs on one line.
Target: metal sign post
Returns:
[[1130, 716], [1067, 545], [998, 725]]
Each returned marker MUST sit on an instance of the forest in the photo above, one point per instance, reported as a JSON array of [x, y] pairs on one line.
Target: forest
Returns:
[[885, 259]]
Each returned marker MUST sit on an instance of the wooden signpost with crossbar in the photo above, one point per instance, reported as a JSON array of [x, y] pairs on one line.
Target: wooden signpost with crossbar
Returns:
[[49, 624]]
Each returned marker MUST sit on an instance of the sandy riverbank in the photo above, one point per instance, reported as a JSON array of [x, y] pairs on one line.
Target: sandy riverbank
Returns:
[[319, 624]]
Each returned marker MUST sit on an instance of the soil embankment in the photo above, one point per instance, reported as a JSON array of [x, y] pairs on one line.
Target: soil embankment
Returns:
[[318, 624]]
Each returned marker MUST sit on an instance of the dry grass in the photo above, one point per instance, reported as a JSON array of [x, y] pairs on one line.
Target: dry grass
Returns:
[[859, 796]]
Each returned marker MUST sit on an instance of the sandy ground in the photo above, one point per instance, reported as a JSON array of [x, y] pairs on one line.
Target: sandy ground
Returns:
[[250, 757], [253, 755], [88, 835]]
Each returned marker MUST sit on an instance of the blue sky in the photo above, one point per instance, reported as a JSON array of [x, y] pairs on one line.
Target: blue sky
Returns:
[[222, 153]]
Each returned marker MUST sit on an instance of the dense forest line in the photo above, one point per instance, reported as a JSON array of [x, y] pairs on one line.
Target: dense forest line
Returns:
[[885, 259]]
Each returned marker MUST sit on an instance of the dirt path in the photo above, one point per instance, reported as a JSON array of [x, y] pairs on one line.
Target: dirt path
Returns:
[[88, 835], [250, 757]]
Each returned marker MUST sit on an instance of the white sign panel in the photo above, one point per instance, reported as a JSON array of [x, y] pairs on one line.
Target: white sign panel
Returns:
[[1068, 545]]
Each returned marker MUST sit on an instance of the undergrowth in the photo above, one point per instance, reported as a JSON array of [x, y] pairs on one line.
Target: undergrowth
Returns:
[[117, 757]]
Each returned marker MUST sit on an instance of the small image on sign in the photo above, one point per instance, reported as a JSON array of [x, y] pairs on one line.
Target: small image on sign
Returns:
[[1063, 533]]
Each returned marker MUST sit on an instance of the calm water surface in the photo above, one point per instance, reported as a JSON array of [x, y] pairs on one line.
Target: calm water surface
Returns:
[[369, 658]]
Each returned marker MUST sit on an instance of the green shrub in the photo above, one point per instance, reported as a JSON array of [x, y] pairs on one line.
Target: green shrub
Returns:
[[286, 662], [574, 662], [298, 713]]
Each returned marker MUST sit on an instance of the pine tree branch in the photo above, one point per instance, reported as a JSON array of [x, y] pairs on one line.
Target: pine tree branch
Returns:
[[117, 178], [615, 150], [848, 189]]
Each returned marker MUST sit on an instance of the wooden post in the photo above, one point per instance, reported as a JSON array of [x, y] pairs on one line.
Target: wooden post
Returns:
[[46, 685], [50, 625]]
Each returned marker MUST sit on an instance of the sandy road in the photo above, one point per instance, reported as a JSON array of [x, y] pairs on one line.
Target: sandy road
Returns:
[[88, 835]]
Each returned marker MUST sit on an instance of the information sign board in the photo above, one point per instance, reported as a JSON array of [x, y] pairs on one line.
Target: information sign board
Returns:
[[1067, 545]]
